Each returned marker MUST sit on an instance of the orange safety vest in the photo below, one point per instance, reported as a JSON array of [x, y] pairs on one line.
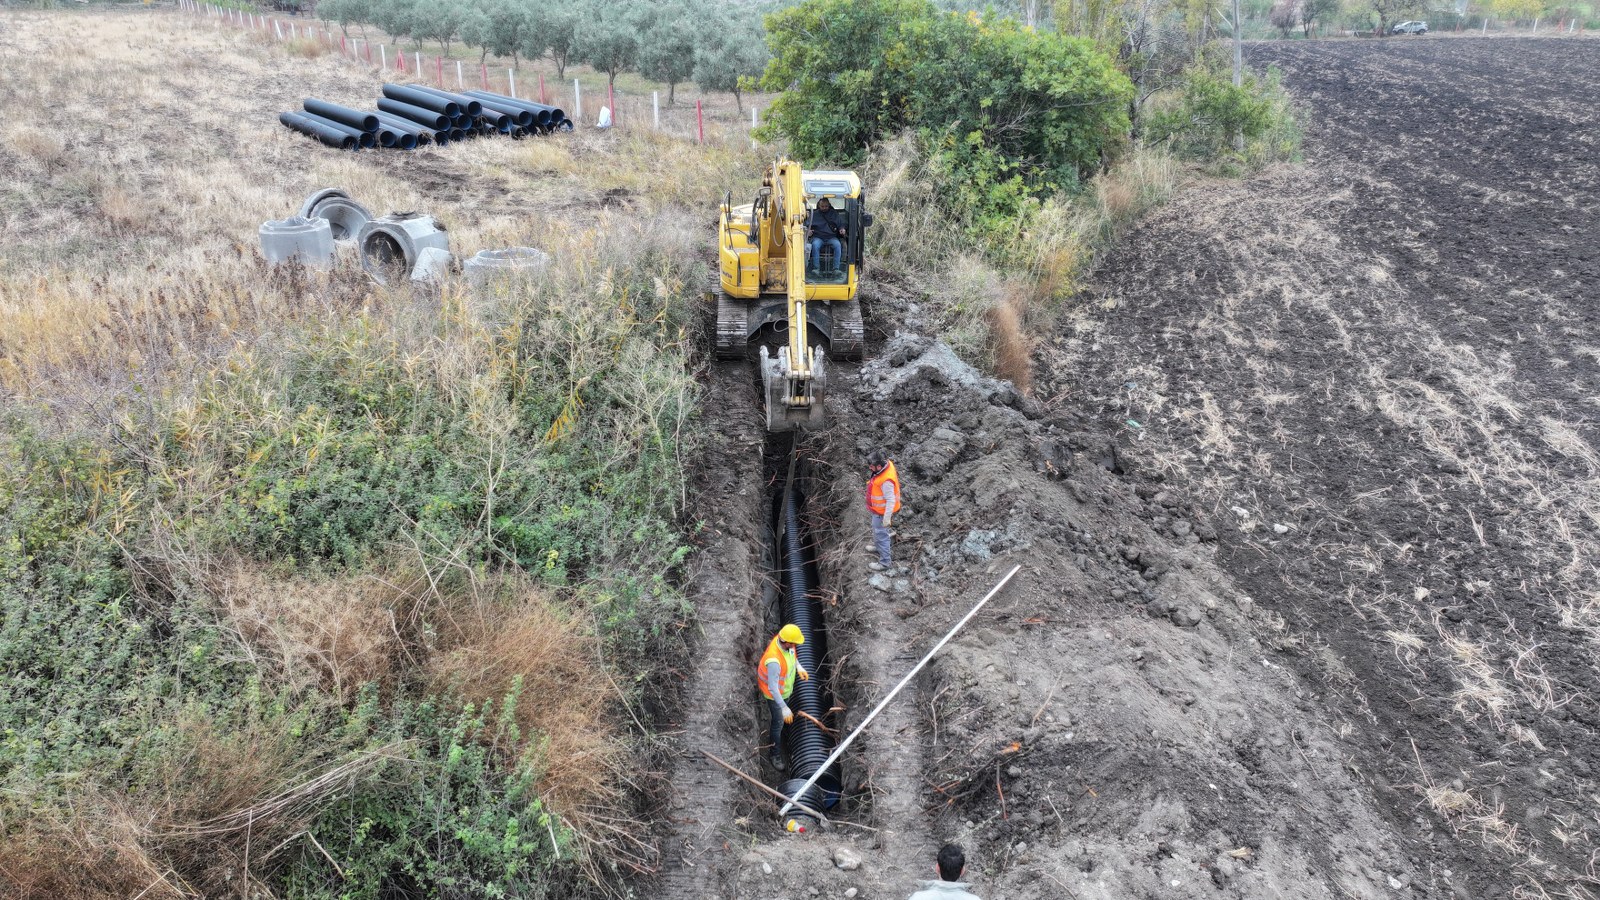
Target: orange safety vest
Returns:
[[787, 666], [875, 489]]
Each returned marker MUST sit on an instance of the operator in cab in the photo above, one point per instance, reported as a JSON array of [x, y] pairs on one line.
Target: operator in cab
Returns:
[[823, 229]]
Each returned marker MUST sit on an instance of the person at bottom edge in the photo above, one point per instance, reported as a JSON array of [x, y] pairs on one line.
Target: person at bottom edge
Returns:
[[952, 862]]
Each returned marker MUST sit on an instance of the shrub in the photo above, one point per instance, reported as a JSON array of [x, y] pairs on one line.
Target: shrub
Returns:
[[1005, 112], [1200, 122]]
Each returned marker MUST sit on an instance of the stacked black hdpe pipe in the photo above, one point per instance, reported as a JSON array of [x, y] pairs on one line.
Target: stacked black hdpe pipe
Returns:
[[411, 115], [807, 746]]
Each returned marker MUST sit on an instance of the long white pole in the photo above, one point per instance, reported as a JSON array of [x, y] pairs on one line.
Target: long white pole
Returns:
[[839, 750], [461, 83]]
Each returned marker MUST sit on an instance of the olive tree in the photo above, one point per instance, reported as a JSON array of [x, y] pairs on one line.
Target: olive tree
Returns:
[[732, 60], [437, 20], [499, 27], [667, 46], [553, 33], [609, 39]]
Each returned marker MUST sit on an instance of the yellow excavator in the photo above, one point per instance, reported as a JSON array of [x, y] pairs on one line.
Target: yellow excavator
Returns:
[[768, 278]]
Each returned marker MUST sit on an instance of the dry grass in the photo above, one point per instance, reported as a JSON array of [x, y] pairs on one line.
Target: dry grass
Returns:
[[131, 272], [334, 632], [128, 257], [215, 820], [468, 637], [1011, 349], [566, 704]]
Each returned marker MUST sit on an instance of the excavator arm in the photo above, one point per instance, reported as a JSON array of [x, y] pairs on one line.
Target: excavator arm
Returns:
[[795, 382]]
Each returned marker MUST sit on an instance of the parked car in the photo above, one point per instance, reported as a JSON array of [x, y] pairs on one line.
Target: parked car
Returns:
[[1410, 28]]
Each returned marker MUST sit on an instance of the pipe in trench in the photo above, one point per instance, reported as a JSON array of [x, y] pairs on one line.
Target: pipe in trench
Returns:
[[808, 747]]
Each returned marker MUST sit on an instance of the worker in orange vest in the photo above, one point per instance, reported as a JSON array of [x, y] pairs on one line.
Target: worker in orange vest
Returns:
[[883, 501], [776, 674]]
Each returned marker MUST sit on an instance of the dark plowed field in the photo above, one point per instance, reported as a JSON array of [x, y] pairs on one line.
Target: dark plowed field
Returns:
[[1379, 373]]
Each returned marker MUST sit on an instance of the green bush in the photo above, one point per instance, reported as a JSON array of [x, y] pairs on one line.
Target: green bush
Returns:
[[456, 817], [1199, 122], [1008, 113]]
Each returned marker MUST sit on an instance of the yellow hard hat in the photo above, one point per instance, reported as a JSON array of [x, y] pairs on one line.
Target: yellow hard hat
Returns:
[[790, 634]]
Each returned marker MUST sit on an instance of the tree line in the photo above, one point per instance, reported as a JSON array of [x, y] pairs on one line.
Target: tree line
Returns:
[[671, 41]]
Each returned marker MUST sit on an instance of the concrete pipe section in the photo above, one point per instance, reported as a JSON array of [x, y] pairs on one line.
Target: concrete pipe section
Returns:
[[391, 246], [494, 266], [433, 264], [345, 216], [309, 241]]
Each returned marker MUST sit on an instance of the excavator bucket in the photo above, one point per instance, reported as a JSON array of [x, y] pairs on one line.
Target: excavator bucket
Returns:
[[793, 403]]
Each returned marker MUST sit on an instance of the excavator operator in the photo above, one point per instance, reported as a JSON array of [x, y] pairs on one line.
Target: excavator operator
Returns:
[[824, 230]]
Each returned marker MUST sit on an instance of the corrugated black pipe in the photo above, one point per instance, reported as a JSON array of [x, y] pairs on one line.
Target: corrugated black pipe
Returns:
[[808, 747], [496, 120], [522, 117], [328, 136], [468, 105], [366, 140], [542, 114], [422, 133], [428, 117], [355, 118], [407, 94]]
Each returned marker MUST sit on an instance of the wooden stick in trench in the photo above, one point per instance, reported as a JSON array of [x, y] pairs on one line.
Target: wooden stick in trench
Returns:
[[803, 808]]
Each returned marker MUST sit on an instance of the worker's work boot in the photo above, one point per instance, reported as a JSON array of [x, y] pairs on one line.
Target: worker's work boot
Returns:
[[875, 566], [777, 760]]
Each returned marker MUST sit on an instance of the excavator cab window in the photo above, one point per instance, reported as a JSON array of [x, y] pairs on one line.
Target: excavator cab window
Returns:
[[822, 269]]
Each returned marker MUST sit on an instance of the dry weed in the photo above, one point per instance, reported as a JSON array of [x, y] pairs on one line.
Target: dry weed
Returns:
[[1467, 814], [566, 705], [337, 632], [98, 858], [45, 149], [1011, 349]]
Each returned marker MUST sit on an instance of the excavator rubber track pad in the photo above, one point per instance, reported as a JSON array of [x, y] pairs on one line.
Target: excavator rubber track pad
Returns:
[[848, 338], [733, 323]]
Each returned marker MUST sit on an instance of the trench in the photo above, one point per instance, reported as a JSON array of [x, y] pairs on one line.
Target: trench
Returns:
[[795, 589]]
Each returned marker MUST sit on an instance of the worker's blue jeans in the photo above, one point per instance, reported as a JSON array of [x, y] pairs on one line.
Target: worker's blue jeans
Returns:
[[880, 537], [814, 252], [775, 730]]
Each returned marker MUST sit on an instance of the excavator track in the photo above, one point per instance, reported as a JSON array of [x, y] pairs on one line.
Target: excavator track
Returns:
[[733, 323], [849, 333]]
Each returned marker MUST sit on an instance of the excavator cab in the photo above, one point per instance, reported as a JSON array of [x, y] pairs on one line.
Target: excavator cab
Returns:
[[766, 286]]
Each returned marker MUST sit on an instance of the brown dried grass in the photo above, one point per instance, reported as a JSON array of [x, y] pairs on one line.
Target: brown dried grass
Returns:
[[567, 705], [1010, 346], [79, 860], [159, 839], [336, 632]]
